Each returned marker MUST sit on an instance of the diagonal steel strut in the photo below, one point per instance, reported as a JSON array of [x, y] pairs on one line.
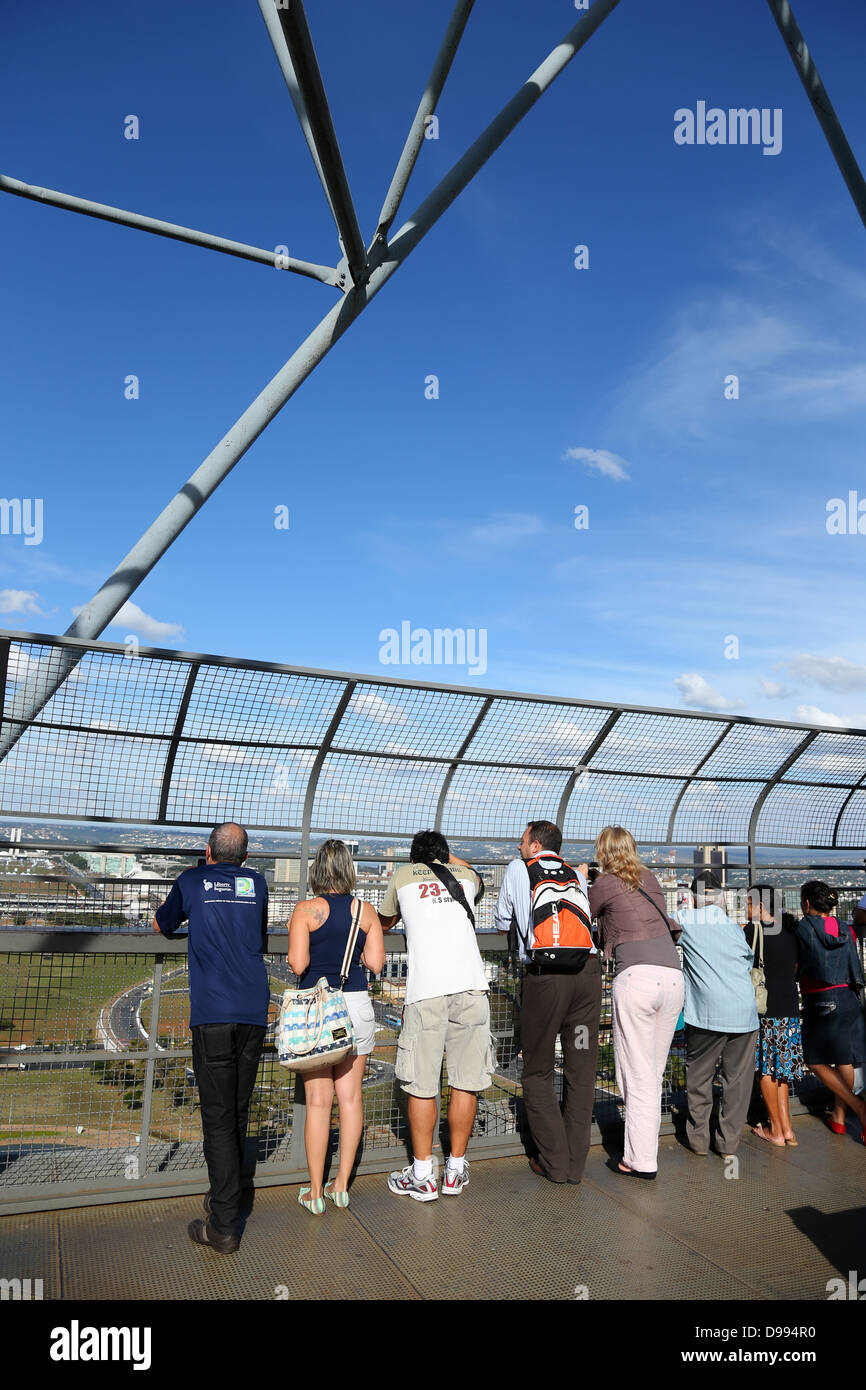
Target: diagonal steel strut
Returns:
[[817, 94], [321, 131], [38, 686], [284, 58], [432, 93], [104, 211]]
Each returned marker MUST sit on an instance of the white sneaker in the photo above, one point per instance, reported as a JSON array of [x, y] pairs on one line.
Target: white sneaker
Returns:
[[405, 1184], [454, 1182]]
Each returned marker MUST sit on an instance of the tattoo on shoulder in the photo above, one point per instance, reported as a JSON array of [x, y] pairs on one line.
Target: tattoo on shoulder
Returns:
[[319, 913]]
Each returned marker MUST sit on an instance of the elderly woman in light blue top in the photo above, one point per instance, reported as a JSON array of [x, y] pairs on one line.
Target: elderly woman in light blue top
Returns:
[[720, 1016]]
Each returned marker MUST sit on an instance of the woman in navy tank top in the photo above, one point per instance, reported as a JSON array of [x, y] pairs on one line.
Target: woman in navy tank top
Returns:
[[318, 933]]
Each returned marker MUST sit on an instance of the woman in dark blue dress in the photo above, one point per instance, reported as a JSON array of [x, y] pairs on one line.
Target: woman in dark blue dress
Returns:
[[318, 936]]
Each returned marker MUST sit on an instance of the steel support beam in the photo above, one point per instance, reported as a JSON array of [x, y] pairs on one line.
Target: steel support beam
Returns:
[[327, 274], [817, 94], [284, 58], [176, 516], [771, 785], [313, 782], [590, 753], [319, 128], [171, 752], [149, 1067], [458, 758], [693, 777], [844, 807], [429, 101]]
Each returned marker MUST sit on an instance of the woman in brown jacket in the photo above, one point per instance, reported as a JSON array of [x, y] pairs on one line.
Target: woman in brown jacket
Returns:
[[629, 906]]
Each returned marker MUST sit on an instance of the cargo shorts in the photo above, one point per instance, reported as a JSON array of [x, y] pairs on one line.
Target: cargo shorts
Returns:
[[457, 1025]]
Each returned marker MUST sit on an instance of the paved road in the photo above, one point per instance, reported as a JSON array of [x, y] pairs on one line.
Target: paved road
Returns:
[[124, 1017]]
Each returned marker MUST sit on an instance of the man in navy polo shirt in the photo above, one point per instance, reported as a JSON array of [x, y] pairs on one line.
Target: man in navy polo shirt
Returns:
[[229, 995]]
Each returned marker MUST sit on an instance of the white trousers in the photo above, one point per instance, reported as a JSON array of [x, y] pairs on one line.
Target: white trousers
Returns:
[[646, 1003]]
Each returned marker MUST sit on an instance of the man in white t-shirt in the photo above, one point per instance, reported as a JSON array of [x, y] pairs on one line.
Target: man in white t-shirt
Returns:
[[447, 1009]]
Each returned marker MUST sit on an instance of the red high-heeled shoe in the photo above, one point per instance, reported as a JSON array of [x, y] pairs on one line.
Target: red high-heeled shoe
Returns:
[[833, 1125]]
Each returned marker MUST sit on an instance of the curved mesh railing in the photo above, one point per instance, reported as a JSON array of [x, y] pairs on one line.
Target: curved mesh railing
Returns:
[[184, 740]]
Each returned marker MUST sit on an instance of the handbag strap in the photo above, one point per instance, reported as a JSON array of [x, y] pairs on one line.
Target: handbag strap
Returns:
[[357, 910], [663, 915], [758, 940]]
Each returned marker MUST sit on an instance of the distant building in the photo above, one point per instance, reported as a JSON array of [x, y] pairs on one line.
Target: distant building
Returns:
[[287, 871], [111, 865], [15, 839], [714, 857]]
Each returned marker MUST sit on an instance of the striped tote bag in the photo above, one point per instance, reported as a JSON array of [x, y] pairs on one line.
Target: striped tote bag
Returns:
[[315, 1029]]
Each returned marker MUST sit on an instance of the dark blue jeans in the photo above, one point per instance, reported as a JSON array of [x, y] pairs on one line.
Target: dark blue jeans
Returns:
[[225, 1059]]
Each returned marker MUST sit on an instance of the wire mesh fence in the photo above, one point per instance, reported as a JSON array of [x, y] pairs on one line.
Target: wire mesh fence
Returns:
[[97, 1087], [186, 740], [98, 1095]]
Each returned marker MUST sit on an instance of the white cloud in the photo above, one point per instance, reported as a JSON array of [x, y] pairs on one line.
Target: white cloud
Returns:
[[811, 714], [833, 672], [23, 667], [506, 528], [19, 601], [776, 690], [698, 694], [793, 370], [133, 619], [372, 706], [602, 461]]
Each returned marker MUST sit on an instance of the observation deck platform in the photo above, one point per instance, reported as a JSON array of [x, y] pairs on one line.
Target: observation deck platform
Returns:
[[790, 1220]]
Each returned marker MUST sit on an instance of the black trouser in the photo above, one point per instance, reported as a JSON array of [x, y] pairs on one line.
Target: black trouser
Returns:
[[567, 1006], [225, 1059]]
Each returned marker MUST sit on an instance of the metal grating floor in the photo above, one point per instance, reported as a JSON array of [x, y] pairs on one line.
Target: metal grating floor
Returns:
[[789, 1221]]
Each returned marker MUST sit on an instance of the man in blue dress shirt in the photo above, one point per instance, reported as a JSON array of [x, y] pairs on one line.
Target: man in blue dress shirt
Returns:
[[227, 911], [720, 1016]]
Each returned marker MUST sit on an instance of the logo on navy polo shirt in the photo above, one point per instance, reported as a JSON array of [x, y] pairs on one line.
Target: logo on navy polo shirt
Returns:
[[210, 887], [245, 888]]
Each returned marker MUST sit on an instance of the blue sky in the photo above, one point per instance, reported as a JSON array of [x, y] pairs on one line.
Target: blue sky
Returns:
[[558, 387]]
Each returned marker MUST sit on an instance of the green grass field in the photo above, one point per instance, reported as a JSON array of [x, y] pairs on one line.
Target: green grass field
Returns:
[[57, 999]]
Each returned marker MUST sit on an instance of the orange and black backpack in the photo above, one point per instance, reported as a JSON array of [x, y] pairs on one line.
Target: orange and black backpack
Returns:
[[560, 926]]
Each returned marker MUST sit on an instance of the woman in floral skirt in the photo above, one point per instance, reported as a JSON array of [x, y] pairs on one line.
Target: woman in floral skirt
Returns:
[[779, 1049]]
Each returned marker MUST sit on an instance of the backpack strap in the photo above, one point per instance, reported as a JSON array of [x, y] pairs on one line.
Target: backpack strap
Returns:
[[357, 910], [454, 886]]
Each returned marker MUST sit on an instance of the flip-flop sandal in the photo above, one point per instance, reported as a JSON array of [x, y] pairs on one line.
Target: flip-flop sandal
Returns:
[[315, 1205], [340, 1199], [758, 1131], [793, 1143]]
